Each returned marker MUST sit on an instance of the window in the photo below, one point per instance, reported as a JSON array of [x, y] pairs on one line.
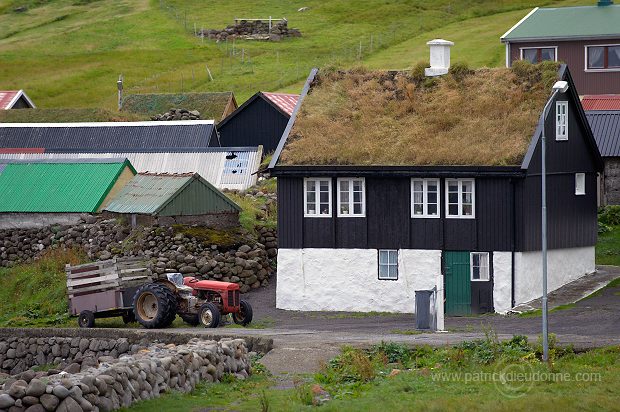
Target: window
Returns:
[[318, 197], [460, 195], [561, 120], [424, 198], [580, 183], [603, 57], [538, 54], [351, 198], [388, 264], [236, 169], [479, 266]]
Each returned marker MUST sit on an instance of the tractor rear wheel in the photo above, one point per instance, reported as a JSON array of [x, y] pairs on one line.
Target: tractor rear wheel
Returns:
[[209, 315], [154, 306], [86, 319], [244, 316]]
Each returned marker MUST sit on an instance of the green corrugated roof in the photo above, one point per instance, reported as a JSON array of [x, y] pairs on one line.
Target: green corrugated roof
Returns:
[[150, 193], [57, 187], [568, 22]]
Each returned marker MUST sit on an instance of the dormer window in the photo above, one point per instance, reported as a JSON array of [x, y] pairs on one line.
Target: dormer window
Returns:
[[561, 120]]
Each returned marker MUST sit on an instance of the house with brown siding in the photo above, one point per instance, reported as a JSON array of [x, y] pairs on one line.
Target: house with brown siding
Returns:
[[586, 38]]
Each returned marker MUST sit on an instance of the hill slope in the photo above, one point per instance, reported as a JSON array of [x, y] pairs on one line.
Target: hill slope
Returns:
[[69, 53]]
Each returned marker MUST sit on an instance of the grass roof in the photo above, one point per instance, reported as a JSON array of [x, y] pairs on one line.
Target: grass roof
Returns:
[[210, 105], [468, 117], [66, 116]]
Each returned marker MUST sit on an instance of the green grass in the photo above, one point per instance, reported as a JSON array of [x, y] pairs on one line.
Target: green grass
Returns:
[[69, 53], [608, 247], [251, 213], [393, 377]]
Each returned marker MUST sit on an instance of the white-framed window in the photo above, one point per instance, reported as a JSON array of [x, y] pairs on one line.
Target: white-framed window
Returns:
[[388, 264], [561, 120], [460, 198], [538, 54], [580, 183], [351, 197], [425, 198], [479, 266], [317, 197], [604, 57]]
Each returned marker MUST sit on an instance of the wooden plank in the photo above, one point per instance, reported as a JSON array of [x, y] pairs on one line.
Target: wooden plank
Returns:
[[90, 289], [77, 282], [134, 272], [98, 272], [77, 268]]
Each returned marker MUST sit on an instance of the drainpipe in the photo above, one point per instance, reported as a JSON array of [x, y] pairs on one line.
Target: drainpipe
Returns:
[[513, 243]]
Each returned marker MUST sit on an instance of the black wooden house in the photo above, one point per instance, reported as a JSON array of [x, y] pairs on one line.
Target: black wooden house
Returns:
[[366, 216], [260, 121]]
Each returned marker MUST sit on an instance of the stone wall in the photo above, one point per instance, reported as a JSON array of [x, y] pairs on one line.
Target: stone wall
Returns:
[[108, 382], [221, 220], [611, 185], [237, 258], [257, 29]]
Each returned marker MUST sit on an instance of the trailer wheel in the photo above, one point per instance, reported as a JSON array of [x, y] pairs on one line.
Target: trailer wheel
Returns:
[[209, 315], [154, 306], [191, 319], [86, 319], [244, 316]]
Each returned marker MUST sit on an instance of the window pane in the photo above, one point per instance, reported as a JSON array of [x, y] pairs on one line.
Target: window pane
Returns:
[[344, 209], [383, 271], [596, 58], [325, 208], [311, 185], [475, 259], [467, 210], [418, 186], [467, 186], [547, 54], [324, 197], [432, 186], [311, 197], [432, 197], [432, 209], [357, 208], [418, 198], [613, 56], [357, 185], [324, 185], [418, 209], [453, 187], [531, 55], [357, 197], [453, 210], [311, 209], [466, 197], [453, 197], [393, 272], [393, 256], [475, 272], [344, 197], [383, 257]]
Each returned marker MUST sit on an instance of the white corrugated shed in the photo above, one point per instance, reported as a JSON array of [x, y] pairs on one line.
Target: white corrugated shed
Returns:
[[238, 173]]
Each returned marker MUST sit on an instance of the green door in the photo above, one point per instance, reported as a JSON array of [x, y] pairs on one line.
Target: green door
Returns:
[[458, 283]]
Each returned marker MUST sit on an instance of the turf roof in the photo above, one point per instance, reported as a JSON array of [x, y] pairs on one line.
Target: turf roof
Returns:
[[483, 117], [210, 105], [67, 115]]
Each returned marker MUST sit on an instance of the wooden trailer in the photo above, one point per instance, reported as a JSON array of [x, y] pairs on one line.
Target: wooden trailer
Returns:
[[105, 289]]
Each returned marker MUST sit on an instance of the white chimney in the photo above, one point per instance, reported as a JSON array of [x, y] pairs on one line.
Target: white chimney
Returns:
[[440, 57]]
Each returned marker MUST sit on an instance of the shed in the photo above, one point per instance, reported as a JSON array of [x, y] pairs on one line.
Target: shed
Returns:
[[168, 199], [41, 193], [261, 120], [605, 125], [213, 105], [15, 99]]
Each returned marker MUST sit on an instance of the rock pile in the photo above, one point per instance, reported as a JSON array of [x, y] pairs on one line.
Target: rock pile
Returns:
[[118, 382], [177, 114], [253, 29], [240, 259]]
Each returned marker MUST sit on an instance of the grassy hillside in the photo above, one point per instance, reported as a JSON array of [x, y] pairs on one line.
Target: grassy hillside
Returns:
[[69, 53]]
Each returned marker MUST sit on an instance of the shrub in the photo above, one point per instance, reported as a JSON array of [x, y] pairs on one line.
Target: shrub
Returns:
[[609, 215]]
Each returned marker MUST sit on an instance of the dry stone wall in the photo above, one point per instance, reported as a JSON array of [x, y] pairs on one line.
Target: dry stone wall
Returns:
[[110, 382], [253, 29], [247, 262]]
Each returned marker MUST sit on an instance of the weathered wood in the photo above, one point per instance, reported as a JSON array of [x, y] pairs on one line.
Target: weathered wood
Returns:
[[93, 273], [91, 289], [77, 282]]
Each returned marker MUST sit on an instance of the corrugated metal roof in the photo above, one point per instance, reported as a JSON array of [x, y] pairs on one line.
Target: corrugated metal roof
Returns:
[[57, 187], [108, 136], [211, 164], [150, 193], [605, 126], [6, 98], [567, 23], [284, 101], [601, 102]]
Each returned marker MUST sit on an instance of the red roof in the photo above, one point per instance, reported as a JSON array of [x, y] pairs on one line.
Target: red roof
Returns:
[[284, 101], [9, 97], [601, 102]]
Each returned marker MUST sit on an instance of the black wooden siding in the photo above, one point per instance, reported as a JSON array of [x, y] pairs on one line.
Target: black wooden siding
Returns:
[[258, 123]]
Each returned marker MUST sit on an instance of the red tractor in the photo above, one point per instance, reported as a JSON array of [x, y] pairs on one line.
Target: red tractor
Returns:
[[155, 305]]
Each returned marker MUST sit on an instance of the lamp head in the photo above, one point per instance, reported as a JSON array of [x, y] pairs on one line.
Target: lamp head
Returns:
[[560, 86]]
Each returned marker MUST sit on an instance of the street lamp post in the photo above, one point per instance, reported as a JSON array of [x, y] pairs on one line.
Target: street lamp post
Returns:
[[558, 87]]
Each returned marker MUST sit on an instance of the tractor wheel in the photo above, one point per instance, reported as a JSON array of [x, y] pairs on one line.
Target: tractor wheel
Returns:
[[244, 316], [154, 306], [191, 319], [86, 319], [209, 315]]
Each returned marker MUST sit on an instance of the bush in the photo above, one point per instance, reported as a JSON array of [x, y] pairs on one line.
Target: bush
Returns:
[[609, 215]]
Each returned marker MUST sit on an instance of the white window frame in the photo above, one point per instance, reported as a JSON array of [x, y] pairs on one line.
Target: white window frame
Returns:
[[580, 184], [350, 202], [471, 267], [585, 59], [460, 199], [425, 214], [317, 196], [555, 53], [561, 120], [379, 264]]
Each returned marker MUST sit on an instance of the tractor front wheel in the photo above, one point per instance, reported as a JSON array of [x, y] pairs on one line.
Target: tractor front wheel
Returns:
[[244, 316], [154, 306], [86, 319], [209, 315]]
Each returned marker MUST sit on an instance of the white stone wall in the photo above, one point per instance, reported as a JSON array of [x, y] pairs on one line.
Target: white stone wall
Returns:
[[502, 281], [563, 266], [347, 280]]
